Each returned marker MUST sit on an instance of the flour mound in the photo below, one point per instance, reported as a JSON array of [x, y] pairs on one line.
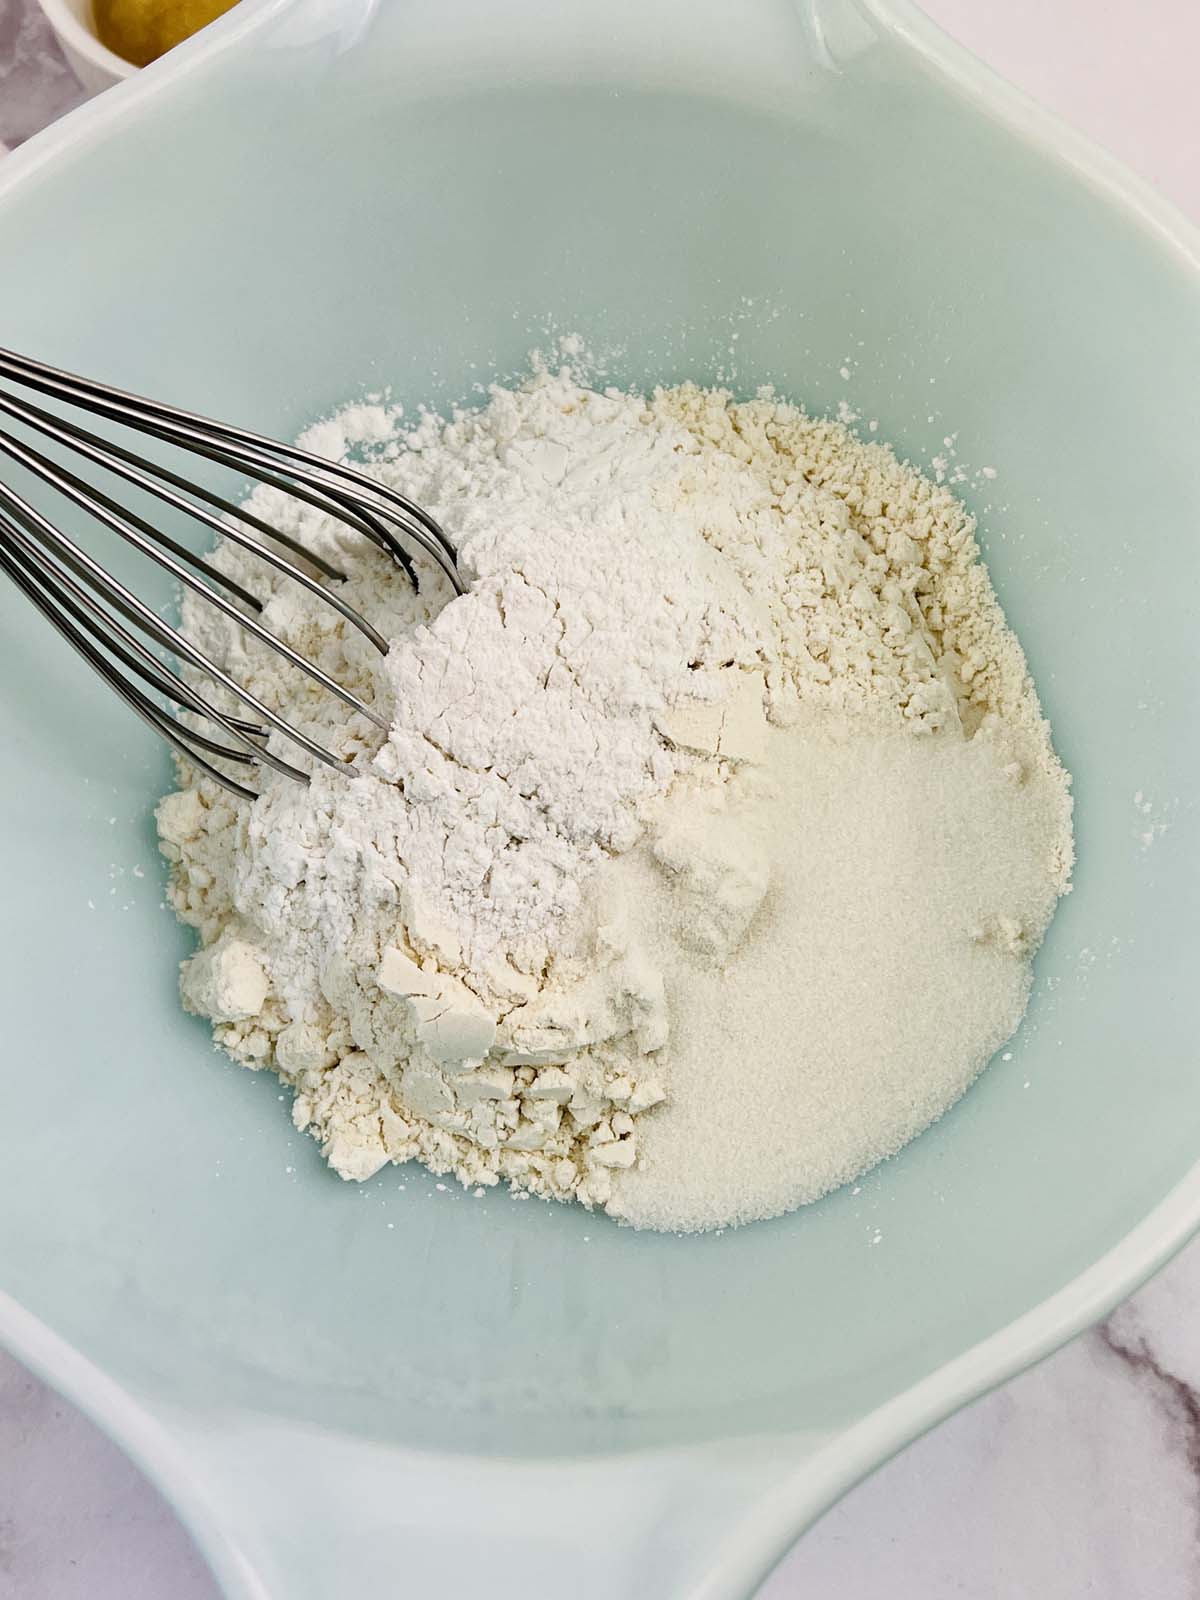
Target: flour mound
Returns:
[[513, 946]]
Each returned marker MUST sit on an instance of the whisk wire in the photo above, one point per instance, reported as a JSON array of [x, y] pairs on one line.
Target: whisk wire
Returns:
[[80, 603], [88, 497], [137, 611], [29, 575], [112, 629], [240, 448], [43, 596], [121, 523], [101, 449], [98, 451]]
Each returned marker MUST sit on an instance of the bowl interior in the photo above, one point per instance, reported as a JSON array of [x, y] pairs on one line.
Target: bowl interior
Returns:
[[331, 214]]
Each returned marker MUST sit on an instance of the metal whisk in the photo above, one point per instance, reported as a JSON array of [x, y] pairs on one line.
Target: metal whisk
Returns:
[[109, 625]]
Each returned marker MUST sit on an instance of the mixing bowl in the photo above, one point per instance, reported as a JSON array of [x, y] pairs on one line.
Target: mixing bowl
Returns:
[[395, 1386]]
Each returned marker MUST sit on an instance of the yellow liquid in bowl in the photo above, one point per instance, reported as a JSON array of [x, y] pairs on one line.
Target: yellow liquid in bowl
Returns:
[[140, 31]]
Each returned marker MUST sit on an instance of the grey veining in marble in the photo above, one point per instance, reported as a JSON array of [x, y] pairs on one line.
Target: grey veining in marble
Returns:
[[36, 85], [1078, 1481]]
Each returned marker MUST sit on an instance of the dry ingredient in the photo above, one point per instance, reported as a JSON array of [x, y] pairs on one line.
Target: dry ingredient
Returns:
[[715, 831]]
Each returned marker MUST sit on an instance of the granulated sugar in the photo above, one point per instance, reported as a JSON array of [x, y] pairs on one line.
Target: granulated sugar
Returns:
[[908, 881], [715, 830]]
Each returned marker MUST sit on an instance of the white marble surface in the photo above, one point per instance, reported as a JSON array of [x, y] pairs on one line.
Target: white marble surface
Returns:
[[36, 85], [1078, 1481]]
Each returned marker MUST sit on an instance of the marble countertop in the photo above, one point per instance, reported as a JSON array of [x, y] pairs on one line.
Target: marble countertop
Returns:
[[1077, 1481]]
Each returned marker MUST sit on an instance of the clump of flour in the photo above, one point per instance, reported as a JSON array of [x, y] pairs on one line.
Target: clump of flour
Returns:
[[714, 832]]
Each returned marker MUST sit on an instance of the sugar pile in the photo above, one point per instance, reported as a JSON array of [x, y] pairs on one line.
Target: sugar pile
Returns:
[[887, 962], [717, 825]]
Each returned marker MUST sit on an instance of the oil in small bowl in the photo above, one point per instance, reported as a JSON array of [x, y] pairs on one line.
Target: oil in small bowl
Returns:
[[140, 31]]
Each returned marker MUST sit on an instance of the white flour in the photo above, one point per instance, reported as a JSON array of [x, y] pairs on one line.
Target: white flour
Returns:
[[715, 829]]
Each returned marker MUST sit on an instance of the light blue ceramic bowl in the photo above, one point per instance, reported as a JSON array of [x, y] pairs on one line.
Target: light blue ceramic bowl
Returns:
[[351, 1391]]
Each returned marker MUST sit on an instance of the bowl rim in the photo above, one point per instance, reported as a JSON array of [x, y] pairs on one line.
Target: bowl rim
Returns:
[[82, 41], [754, 1543]]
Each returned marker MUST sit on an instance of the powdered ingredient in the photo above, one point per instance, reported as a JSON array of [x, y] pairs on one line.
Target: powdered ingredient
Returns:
[[889, 956], [716, 828]]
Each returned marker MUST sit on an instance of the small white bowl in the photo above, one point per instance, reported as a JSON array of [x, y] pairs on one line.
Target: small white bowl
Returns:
[[93, 63]]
